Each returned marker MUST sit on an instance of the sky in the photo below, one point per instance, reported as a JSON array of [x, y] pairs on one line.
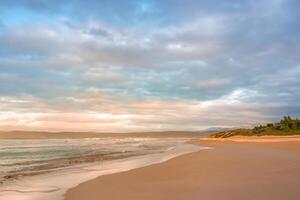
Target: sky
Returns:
[[147, 65]]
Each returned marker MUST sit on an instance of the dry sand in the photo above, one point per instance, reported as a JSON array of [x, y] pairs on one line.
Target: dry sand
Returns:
[[269, 138], [232, 170]]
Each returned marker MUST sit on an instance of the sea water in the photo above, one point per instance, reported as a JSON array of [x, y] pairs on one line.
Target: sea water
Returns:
[[45, 169]]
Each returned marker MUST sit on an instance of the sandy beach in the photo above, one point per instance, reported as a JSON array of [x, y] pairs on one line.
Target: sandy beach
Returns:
[[235, 170], [149, 100]]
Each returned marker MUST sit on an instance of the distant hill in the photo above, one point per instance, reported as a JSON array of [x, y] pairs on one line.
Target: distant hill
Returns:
[[286, 126], [77, 135]]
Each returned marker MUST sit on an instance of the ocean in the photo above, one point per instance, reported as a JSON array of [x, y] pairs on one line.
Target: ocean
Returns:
[[38, 169]]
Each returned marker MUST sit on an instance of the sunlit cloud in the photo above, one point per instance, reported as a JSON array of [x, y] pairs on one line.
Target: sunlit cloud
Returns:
[[147, 65]]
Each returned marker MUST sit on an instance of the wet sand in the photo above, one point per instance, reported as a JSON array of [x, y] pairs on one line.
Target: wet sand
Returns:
[[232, 170]]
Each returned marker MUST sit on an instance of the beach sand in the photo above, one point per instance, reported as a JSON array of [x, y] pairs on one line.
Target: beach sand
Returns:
[[233, 170]]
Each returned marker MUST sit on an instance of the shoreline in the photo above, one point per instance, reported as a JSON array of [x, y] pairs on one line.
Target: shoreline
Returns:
[[241, 169], [55, 185], [264, 138]]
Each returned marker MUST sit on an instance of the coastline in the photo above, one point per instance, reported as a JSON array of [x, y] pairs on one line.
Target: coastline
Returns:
[[242, 169], [268, 138], [54, 185]]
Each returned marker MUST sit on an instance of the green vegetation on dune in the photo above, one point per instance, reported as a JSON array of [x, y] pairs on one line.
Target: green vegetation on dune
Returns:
[[286, 126]]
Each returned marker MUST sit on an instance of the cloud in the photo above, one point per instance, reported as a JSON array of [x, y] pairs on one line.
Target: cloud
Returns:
[[160, 64], [100, 112]]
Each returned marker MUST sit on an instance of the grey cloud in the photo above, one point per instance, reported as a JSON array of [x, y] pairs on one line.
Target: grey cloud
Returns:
[[205, 52]]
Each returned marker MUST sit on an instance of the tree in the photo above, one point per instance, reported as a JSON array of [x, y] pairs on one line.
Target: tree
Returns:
[[270, 125]]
